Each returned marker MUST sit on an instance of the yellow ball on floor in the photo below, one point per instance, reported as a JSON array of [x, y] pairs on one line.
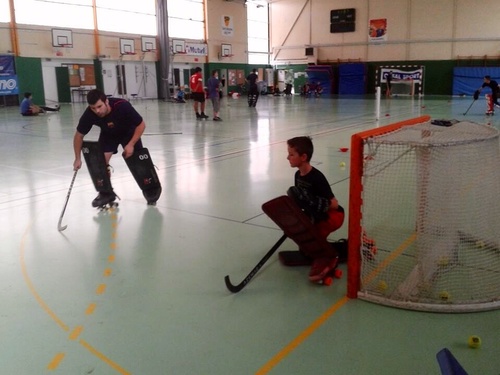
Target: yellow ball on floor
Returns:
[[474, 342], [382, 286], [480, 244], [342, 164], [444, 296]]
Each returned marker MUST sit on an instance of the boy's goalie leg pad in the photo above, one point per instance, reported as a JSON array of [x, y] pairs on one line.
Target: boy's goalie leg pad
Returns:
[[144, 172], [96, 164], [297, 226]]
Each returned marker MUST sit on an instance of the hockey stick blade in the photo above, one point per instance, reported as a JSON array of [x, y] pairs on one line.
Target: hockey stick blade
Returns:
[[60, 227], [236, 288]]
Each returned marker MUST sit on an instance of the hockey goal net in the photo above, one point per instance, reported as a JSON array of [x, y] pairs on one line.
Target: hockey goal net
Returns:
[[424, 216], [404, 87]]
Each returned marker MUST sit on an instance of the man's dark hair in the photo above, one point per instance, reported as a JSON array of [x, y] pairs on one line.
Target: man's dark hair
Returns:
[[303, 145], [27, 95], [197, 69], [214, 71], [487, 77], [94, 95], [254, 70]]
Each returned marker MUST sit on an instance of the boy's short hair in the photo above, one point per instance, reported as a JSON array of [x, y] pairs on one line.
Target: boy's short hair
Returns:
[[487, 77], [27, 95], [94, 95], [197, 69], [303, 145]]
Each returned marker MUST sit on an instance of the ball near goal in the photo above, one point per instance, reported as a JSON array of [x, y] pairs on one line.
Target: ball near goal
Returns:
[[427, 198]]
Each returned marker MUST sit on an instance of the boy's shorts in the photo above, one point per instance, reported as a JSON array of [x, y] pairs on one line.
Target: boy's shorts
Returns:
[[198, 97], [334, 222]]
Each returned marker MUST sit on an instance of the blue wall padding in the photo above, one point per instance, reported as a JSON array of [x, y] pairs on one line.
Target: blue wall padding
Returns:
[[352, 79], [468, 80]]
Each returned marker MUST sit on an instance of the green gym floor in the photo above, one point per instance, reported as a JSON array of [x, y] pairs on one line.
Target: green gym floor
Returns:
[[140, 290]]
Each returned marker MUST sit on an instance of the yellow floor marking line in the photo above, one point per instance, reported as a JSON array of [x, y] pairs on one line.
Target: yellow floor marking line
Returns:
[[101, 288], [31, 287], [54, 364], [302, 337], [90, 309], [389, 259], [76, 332], [103, 358]]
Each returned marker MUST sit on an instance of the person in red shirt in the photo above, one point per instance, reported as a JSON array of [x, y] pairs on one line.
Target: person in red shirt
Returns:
[[198, 93]]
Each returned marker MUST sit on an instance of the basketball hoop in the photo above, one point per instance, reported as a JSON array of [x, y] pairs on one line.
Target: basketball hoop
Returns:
[[58, 50], [128, 54]]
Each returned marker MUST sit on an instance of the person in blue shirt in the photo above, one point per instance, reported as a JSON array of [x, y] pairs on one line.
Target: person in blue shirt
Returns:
[[213, 88], [29, 109]]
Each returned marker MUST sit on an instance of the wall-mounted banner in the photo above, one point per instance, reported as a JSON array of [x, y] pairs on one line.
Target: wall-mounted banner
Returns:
[[8, 85], [227, 25], [196, 49], [7, 65], [416, 75], [377, 31]]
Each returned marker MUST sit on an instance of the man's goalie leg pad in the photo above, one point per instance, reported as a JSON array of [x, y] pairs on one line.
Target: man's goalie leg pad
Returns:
[[144, 172], [298, 227], [96, 164]]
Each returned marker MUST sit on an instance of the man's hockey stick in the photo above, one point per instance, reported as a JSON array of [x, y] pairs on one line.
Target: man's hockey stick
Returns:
[[60, 228], [470, 106], [237, 288]]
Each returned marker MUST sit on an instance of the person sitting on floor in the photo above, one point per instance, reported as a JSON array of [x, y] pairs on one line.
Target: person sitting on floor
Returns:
[[30, 109], [180, 95]]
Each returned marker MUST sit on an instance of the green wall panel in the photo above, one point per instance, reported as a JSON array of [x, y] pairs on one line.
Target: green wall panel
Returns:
[[30, 78]]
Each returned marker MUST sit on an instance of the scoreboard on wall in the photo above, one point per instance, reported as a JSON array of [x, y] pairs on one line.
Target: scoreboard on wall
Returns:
[[342, 20]]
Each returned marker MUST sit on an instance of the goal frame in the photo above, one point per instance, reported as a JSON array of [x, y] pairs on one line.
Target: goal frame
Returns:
[[355, 199]]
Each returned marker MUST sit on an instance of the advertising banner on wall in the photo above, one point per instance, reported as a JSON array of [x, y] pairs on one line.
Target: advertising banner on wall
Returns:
[[8, 78], [377, 31], [196, 49]]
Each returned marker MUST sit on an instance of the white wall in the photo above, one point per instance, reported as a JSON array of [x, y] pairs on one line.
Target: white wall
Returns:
[[417, 29]]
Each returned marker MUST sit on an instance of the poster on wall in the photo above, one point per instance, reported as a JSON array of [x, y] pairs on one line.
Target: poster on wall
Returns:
[[227, 25], [232, 77], [377, 31]]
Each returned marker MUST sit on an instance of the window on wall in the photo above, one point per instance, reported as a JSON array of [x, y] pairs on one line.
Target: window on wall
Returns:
[[186, 19], [63, 13], [127, 16], [4, 11], [258, 32]]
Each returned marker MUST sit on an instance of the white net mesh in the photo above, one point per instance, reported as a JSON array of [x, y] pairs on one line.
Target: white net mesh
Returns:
[[431, 218], [403, 87]]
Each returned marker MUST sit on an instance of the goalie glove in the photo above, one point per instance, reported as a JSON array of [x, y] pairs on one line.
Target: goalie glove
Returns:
[[476, 95], [314, 206]]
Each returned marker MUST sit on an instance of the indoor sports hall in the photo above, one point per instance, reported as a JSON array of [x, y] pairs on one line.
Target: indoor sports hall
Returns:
[[400, 99], [140, 289]]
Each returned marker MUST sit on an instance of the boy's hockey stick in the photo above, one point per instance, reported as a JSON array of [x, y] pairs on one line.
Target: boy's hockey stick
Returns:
[[236, 288], [60, 228], [470, 106]]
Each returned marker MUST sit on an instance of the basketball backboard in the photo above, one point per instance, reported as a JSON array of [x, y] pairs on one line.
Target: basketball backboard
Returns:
[[127, 46], [62, 38]]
